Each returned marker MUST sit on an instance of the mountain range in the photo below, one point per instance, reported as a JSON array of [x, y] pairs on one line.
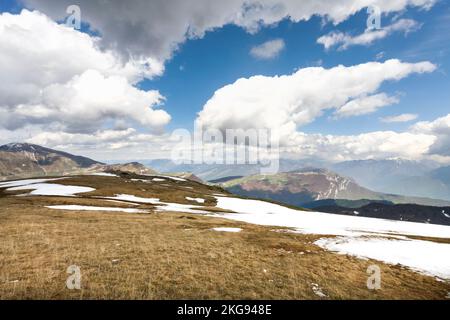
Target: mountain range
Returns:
[[393, 176], [294, 185], [411, 178], [304, 186], [211, 172], [318, 189], [23, 160], [401, 212]]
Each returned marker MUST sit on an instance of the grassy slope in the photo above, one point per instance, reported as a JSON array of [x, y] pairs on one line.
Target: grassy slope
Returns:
[[173, 255]]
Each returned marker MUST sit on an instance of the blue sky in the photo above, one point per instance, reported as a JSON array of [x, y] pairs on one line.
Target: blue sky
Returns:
[[219, 57], [222, 57]]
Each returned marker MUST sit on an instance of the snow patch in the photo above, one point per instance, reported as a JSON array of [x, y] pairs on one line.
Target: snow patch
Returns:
[[123, 202], [141, 180], [199, 200], [269, 214], [224, 229], [26, 182], [131, 198], [173, 178], [422, 256], [368, 238], [176, 207], [161, 206], [317, 290], [49, 189], [104, 174]]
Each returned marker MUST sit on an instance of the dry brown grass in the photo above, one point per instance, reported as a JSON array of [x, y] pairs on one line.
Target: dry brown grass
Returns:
[[174, 256]]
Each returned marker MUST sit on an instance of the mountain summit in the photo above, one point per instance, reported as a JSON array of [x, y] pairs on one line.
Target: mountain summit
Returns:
[[20, 160]]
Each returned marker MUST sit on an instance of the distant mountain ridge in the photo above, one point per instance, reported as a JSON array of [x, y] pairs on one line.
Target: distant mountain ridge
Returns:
[[212, 172], [131, 167], [401, 212], [343, 203], [304, 186], [296, 185], [442, 174], [406, 177], [411, 178], [21, 160], [24, 160], [43, 151], [309, 184]]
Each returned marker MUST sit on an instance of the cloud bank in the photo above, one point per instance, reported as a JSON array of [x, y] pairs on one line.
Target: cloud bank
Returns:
[[52, 74], [63, 88], [157, 28], [289, 101], [285, 103]]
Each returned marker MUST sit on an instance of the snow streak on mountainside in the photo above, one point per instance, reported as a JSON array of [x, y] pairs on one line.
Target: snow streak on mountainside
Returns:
[[304, 186]]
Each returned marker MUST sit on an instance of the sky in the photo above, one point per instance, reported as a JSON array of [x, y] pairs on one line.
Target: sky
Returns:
[[313, 71]]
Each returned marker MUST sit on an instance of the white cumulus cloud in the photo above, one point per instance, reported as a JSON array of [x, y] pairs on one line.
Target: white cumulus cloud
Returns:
[[372, 145], [365, 105], [51, 73], [343, 40], [288, 101], [156, 28], [439, 128], [268, 50], [66, 89]]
